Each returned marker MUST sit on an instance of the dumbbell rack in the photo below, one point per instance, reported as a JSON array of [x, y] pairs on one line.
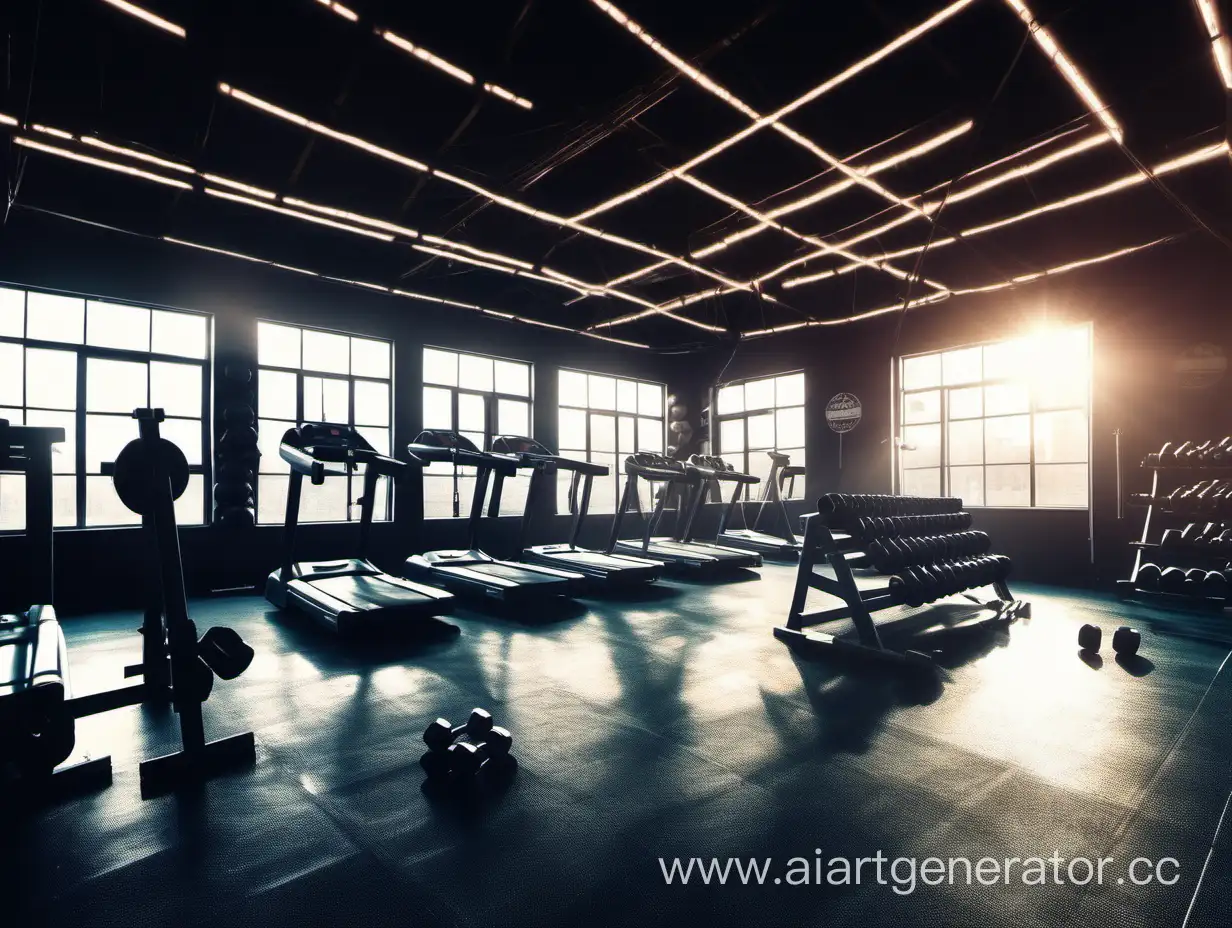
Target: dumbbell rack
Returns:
[[821, 548], [1129, 589]]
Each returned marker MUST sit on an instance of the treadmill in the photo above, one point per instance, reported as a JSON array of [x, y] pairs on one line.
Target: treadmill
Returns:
[[771, 494], [472, 573], [714, 472], [350, 594], [604, 569], [683, 556]]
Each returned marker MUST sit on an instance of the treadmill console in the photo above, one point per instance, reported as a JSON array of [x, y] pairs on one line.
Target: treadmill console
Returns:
[[445, 438], [516, 444]]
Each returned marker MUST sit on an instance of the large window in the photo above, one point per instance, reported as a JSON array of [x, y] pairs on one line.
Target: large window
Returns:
[[605, 419], [756, 416], [481, 397], [308, 375], [1004, 424], [84, 365]]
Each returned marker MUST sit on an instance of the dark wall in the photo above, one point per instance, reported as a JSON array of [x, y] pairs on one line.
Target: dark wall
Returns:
[[98, 568], [1152, 315]]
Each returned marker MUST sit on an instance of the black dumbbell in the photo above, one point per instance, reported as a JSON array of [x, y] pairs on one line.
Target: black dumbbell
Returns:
[[1172, 580], [1148, 577], [1195, 577], [1090, 637], [1126, 641], [441, 734], [1215, 585], [902, 588], [465, 759]]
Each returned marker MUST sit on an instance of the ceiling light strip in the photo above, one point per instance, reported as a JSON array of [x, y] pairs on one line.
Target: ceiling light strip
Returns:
[[307, 217], [494, 197], [772, 119], [236, 185], [101, 163], [138, 155], [1068, 70], [457, 73], [358, 218], [345, 12], [133, 10], [1220, 45]]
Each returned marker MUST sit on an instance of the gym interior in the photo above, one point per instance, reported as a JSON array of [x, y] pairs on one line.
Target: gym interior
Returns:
[[556, 463]]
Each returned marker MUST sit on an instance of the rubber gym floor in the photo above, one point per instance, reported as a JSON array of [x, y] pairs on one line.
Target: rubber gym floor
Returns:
[[671, 724]]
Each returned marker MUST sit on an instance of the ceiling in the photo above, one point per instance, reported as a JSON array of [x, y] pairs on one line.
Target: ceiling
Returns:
[[865, 155]]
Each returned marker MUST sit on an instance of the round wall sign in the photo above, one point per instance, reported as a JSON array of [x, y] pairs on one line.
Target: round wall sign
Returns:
[[843, 412]]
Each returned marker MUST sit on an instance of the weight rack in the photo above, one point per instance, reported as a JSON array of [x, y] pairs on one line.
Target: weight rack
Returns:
[[823, 547]]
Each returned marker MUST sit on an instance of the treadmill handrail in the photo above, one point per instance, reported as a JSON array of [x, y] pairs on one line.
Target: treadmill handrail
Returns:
[[658, 468], [545, 459], [303, 462], [713, 472], [437, 454]]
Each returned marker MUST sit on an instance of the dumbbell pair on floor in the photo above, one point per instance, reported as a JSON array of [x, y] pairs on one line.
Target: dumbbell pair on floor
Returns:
[[915, 586], [1125, 640], [461, 752]]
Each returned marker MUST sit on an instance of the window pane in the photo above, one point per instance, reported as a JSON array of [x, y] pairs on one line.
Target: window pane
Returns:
[[926, 442], [471, 416], [378, 439], [1061, 437], [176, 388], [967, 483], [922, 407], [626, 438], [185, 335], [116, 386], [186, 435], [51, 378], [1007, 440], [13, 416], [602, 433], [106, 437], [1009, 485], [650, 435], [512, 377], [626, 395], [759, 394], [64, 454], [190, 507], [272, 498], [513, 418], [789, 427], [572, 388], [793, 488], [381, 511], [64, 502], [922, 372], [966, 403], [437, 408], [966, 442], [103, 506], [923, 482], [1061, 485], [269, 440], [55, 318], [12, 312], [731, 436], [325, 351], [1062, 388], [603, 494], [962, 366], [758, 464], [761, 431], [649, 399], [1006, 398], [438, 497], [12, 502], [110, 325], [789, 390], [276, 395], [370, 358], [371, 403], [572, 428], [475, 373], [440, 367], [277, 345], [731, 400], [11, 373], [326, 399], [324, 503], [602, 392]]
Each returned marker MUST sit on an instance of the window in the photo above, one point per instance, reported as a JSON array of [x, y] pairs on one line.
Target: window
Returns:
[[481, 397], [84, 365], [1005, 424], [605, 419], [756, 416], [308, 375]]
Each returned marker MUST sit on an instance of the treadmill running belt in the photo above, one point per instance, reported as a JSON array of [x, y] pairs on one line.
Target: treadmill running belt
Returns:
[[513, 572], [369, 592]]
